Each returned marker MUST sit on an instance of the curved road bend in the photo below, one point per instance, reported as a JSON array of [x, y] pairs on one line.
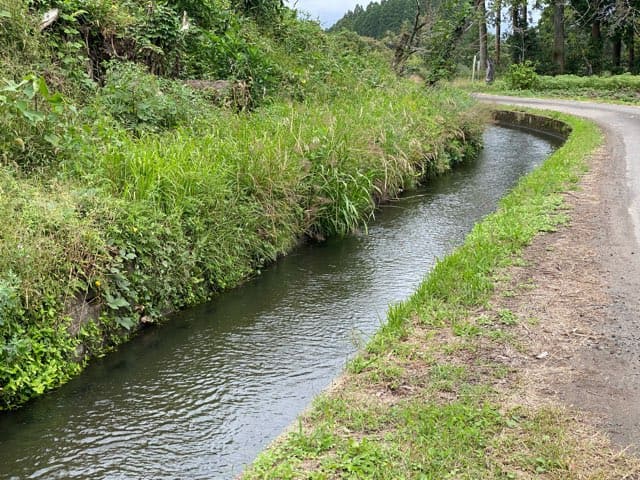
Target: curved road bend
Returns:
[[607, 373]]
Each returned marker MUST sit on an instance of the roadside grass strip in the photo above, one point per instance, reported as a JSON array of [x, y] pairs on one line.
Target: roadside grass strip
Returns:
[[427, 398], [621, 89]]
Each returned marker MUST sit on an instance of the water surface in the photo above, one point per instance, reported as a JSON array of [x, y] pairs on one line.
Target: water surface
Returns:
[[199, 397]]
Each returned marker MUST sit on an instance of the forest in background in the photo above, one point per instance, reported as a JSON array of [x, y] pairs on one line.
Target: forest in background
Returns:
[[582, 37]]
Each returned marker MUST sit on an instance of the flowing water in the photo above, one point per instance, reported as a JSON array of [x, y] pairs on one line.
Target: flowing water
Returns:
[[200, 396]]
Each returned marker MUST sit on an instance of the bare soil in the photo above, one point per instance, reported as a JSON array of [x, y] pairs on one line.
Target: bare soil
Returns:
[[581, 289], [587, 282]]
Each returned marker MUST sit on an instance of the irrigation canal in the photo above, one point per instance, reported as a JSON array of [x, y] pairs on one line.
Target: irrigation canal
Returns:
[[200, 396]]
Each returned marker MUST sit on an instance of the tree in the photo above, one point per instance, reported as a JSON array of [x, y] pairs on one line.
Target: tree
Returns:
[[377, 19], [498, 27], [558, 35], [519, 30], [450, 21], [481, 13], [408, 43]]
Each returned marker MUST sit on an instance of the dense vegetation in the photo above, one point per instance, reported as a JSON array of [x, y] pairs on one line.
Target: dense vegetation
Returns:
[[156, 153], [379, 19], [523, 80], [575, 37]]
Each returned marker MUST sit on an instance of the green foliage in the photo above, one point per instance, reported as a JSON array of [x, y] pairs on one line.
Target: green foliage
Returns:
[[160, 211], [463, 429], [141, 101], [47, 254], [625, 87], [148, 197], [206, 14], [263, 10], [609, 83], [378, 18], [34, 360], [522, 76], [344, 202], [19, 41], [33, 123], [13, 24], [159, 39], [87, 33], [10, 305], [442, 39]]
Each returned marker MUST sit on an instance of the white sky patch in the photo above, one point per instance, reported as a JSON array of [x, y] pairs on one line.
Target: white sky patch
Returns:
[[327, 11]]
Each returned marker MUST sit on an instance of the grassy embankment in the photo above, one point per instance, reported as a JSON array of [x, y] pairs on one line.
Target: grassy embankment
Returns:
[[623, 88], [429, 396], [131, 195]]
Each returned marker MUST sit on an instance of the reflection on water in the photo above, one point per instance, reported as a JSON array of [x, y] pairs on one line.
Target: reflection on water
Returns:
[[200, 396]]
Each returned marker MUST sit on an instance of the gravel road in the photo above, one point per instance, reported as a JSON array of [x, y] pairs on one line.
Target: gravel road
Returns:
[[603, 377]]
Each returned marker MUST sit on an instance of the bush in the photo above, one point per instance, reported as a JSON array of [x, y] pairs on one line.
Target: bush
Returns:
[[19, 42], [143, 102], [33, 122], [609, 83], [522, 76], [209, 14]]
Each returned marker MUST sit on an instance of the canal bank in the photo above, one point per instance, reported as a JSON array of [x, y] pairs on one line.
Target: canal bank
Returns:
[[138, 227], [200, 396], [459, 382]]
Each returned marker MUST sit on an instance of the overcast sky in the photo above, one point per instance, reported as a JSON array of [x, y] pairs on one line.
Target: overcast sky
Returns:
[[330, 11], [327, 11]]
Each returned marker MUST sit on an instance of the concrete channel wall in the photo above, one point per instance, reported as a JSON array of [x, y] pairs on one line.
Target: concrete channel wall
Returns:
[[529, 121]]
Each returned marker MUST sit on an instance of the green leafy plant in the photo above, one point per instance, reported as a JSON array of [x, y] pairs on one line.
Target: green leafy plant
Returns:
[[143, 102], [159, 39], [522, 76], [263, 10], [33, 122]]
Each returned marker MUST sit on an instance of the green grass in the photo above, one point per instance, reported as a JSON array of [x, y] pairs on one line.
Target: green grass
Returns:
[[135, 197], [451, 424], [623, 88], [142, 223]]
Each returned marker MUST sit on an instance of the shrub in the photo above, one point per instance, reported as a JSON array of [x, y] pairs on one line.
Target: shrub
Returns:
[[209, 14], [522, 76], [159, 39], [143, 102], [610, 83], [33, 125], [19, 42]]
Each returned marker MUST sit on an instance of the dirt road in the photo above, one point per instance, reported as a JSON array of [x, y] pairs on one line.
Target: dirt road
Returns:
[[587, 279]]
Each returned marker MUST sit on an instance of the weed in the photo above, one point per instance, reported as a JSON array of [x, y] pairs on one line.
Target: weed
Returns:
[[447, 377], [507, 317], [465, 329], [533, 321]]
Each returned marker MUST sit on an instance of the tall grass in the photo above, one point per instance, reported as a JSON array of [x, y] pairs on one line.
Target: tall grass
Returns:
[[326, 161], [139, 224]]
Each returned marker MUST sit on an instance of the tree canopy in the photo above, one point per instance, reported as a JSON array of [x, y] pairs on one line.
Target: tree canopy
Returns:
[[569, 36], [378, 18]]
